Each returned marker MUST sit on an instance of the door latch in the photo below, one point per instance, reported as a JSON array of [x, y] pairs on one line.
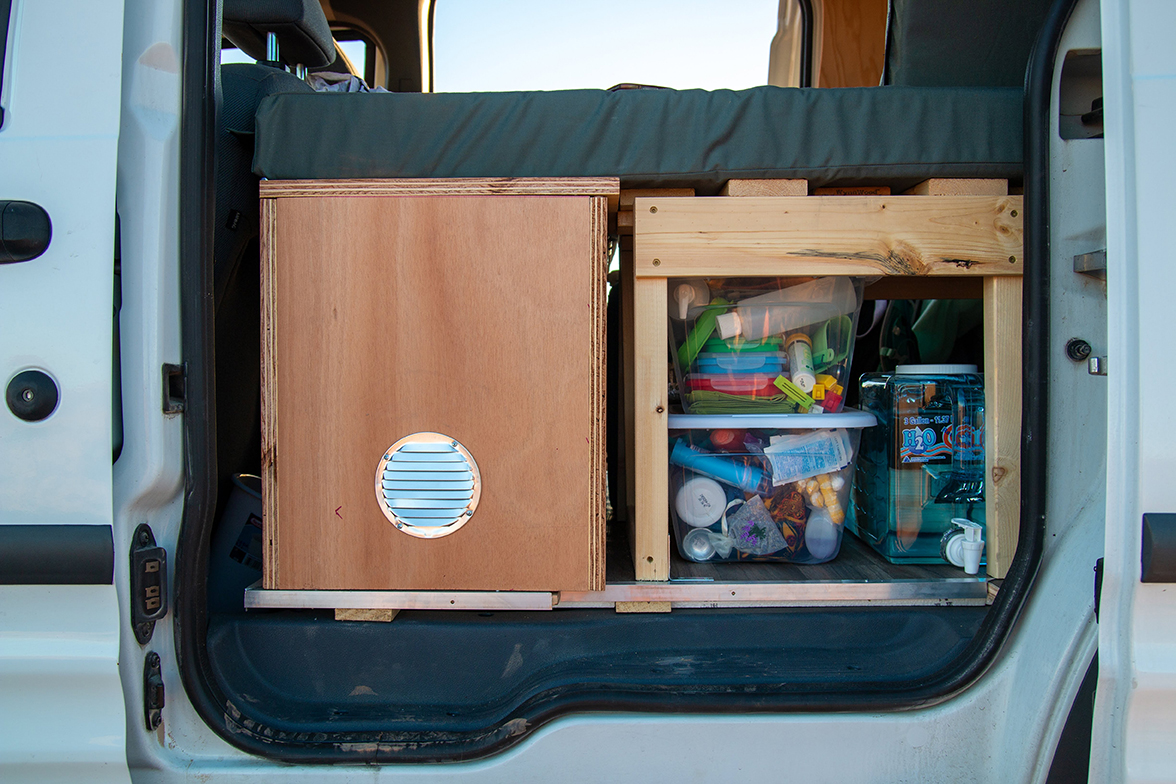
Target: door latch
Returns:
[[153, 696], [148, 583]]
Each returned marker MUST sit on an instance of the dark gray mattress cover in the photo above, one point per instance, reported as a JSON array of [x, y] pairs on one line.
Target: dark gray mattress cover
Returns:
[[648, 138]]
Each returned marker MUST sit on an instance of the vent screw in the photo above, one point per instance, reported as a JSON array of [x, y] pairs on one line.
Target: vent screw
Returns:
[[1077, 349]]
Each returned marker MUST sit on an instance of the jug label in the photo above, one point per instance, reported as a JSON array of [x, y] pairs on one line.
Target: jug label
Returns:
[[924, 439]]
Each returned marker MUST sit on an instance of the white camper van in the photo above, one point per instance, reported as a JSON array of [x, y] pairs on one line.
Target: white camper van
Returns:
[[238, 283]]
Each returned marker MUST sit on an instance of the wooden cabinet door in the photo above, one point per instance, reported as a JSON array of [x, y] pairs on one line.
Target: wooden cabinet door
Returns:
[[479, 317]]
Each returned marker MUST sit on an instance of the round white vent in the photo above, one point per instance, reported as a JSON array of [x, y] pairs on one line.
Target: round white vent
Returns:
[[428, 485]]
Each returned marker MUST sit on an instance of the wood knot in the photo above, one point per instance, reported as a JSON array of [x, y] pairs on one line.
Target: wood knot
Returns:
[[998, 474]]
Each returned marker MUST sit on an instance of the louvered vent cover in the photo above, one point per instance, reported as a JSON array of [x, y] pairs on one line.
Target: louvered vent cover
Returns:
[[428, 485]]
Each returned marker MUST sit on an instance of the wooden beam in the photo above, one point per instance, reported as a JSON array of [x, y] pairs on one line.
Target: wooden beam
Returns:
[[1002, 421], [940, 186], [624, 224], [628, 195], [364, 614], [792, 187], [836, 235], [464, 186], [269, 395], [642, 607], [651, 536]]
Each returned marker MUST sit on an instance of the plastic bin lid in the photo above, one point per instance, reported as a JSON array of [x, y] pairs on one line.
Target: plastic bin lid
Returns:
[[935, 370], [848, 417]]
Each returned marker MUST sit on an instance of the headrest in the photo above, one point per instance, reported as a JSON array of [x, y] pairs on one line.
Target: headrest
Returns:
[[304, 37]]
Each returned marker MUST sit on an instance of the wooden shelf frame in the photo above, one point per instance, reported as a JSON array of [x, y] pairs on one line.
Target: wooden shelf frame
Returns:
[[945, 230]]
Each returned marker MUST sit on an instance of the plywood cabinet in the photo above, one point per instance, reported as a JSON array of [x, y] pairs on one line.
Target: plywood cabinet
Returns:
[[472, 309]]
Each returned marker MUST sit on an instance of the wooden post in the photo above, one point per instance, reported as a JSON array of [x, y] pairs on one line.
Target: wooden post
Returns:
[[1002, 420], [651, 540]]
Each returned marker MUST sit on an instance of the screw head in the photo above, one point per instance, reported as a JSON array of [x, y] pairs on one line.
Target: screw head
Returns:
[[653, 209]]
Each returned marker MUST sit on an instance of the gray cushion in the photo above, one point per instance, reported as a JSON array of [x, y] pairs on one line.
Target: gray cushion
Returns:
[[304, 36], [648, 138]]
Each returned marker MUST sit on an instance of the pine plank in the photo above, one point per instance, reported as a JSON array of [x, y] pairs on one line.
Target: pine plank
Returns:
[[651, 543], [941, 186], [789, 187], [1002, 421], [844, 235]]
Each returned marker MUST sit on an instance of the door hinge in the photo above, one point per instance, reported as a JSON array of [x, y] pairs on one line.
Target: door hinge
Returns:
[[153, 696], [148, 583]]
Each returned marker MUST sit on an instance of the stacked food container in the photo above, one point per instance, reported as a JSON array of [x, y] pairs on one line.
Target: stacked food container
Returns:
[[763, 345], [762, 459]]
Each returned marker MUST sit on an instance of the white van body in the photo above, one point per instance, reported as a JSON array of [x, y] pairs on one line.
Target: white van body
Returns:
[[92, 117]]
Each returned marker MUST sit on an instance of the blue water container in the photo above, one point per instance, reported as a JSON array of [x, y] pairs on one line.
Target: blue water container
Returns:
[[924, 463]]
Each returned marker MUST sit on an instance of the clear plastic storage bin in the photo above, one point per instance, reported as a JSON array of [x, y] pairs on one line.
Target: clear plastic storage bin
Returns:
[[923, 466], [762, 487], [763, 345]]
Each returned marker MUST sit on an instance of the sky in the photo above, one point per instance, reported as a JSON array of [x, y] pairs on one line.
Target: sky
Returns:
[[494, 45]]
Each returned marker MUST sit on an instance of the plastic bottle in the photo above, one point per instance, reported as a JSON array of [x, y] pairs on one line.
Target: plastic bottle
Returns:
[[724, 469], [799, 347], [790, 309]]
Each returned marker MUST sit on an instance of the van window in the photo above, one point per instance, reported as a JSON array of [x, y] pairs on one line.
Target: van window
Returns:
[[538, 45]]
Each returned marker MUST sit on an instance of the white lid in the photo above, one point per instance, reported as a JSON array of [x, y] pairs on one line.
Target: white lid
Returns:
[[848, 417], [934, 370], [700, 501], [728, 324]]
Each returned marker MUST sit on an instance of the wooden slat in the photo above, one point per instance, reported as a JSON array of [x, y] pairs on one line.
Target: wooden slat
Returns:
[[269, 397], [853, 190], [1002, 420], [598, 241], [624, 224], [791, 187], [628, 195], [940, 186], [466, 186], [842, 235], [651, 542], [365, 614], [642, 607]]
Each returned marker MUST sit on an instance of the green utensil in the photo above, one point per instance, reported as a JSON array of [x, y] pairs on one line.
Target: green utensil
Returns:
[[704, 327]]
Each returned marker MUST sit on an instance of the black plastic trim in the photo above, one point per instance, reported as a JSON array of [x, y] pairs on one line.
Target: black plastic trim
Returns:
[[806, 43], [56, 555], [1158, 553], [5, 14], [230, 721]]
